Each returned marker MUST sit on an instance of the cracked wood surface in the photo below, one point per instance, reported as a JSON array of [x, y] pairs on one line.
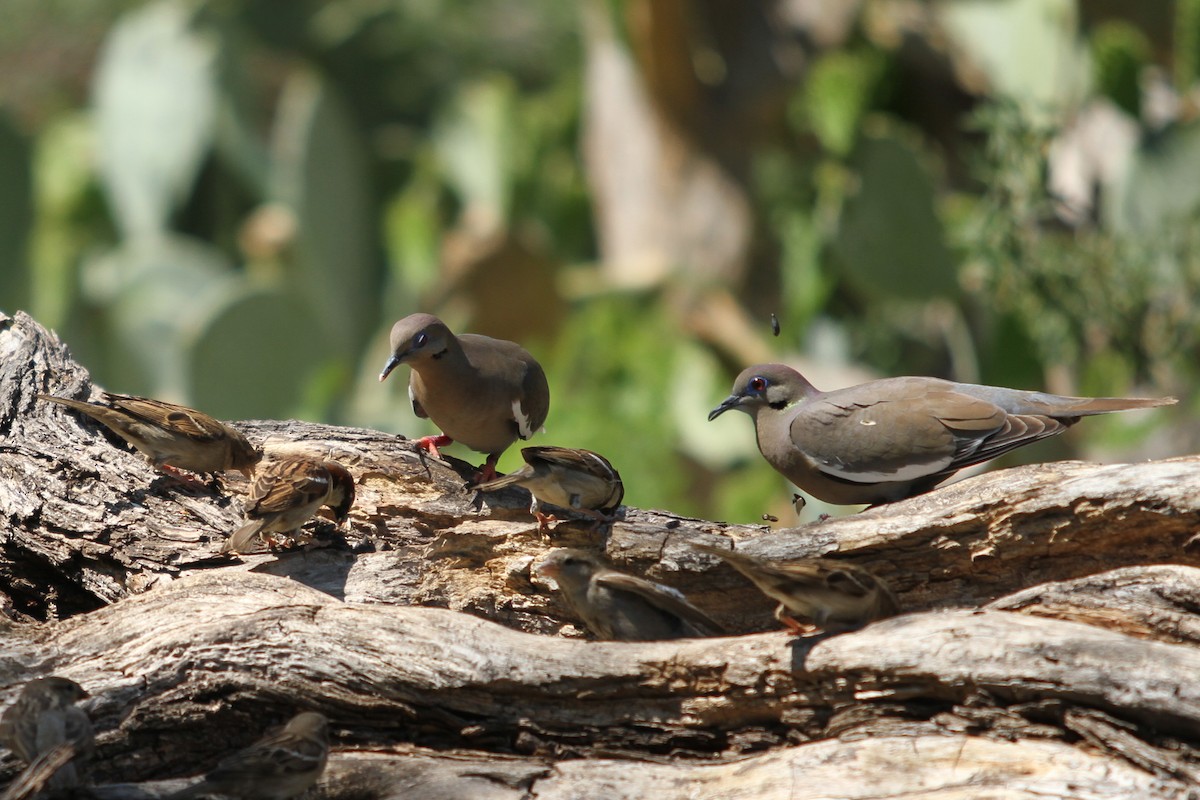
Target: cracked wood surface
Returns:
[[1073, 679]]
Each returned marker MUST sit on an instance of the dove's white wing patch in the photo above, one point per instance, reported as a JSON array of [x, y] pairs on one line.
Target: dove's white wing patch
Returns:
[[523, 428]]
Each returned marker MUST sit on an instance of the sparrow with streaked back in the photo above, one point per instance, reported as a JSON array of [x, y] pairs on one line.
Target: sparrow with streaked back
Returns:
[[483, 392], [285, 494], [889, 439], [836, 596], [170, 435], [279, 766], [615, 605], [45, 726], [579, 480]]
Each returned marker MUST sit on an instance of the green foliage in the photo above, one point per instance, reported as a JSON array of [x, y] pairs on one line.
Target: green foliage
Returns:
[[280, 355], [16, 213], [1159, 189], [1187, 42], [320, 173], [613, 372], [1119, 54], [155, 102], [1028, 49], [1111, 305], [890, 240], [838, 93]]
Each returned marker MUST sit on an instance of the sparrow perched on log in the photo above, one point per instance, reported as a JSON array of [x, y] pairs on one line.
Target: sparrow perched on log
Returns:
[[894, 438], [49, 732], [614, 605], [580, 480], [278, 766], [286, 494], [170, 435], [836, 596], [483, 392]]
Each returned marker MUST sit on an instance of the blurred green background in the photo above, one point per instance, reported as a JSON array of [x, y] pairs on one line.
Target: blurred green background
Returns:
[[228, 203]]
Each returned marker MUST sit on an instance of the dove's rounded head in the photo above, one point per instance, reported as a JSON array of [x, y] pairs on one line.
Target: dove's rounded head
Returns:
[[417, 336], [774, 386]]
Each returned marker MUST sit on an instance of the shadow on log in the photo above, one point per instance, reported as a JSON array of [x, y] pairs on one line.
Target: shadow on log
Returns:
[[1049, 649]]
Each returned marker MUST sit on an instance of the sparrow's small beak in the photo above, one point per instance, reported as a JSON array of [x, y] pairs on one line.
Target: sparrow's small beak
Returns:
[[546, 569], [392, 362], [733, 401]]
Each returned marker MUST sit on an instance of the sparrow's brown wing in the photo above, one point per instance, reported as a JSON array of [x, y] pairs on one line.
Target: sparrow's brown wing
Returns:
[[664, 597], [179, 419], [287, 485]]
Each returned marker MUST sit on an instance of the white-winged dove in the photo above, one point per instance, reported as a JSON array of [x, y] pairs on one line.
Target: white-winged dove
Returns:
[[894, 438], [170, 435], [580, 480], [483, 392], [834, 595], [279, 766], [285, 494], [614, 605], [45, 727]]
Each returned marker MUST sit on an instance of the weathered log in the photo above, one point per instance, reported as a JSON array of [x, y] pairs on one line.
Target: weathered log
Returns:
[[1076, 685]]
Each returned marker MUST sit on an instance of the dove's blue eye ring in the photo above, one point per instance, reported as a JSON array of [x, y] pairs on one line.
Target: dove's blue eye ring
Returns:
[[758, 384], [420, 339]]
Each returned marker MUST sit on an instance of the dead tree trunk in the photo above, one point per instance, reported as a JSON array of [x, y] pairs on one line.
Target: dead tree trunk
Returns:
[[1050, 650]]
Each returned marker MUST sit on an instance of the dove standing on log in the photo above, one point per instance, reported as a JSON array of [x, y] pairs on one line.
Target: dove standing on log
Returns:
[[45, 727], [279, 766], [170, 435], [836, 596], [889, 439], [483, 392], [580, 480], [285, 495], [614, 605]]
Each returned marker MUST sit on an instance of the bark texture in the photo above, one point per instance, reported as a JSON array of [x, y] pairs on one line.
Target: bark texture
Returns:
[[1049, 648]]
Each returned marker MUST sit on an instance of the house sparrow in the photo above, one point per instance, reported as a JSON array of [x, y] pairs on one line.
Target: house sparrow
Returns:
[[44, 727], [39, 774], [835, 595], [278, 766], [286, 494], [576, 479], [614, 605], [889, 439], [170, 435], [483, 392]]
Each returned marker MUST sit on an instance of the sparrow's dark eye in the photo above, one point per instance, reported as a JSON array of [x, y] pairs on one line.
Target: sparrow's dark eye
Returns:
[[758, 384], [420, 339]]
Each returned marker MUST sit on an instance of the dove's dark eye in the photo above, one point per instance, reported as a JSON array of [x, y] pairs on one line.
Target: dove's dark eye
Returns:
[[758, 384], [420, 339]]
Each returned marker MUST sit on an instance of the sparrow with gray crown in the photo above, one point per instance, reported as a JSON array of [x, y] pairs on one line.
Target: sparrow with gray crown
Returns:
[[579, 480], [47, 730], [170, 435], [836, 596], [287, 493], [279, 766], [615, 605]]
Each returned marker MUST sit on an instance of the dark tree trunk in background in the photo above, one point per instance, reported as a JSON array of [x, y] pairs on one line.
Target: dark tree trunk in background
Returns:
[[1045, 655]]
